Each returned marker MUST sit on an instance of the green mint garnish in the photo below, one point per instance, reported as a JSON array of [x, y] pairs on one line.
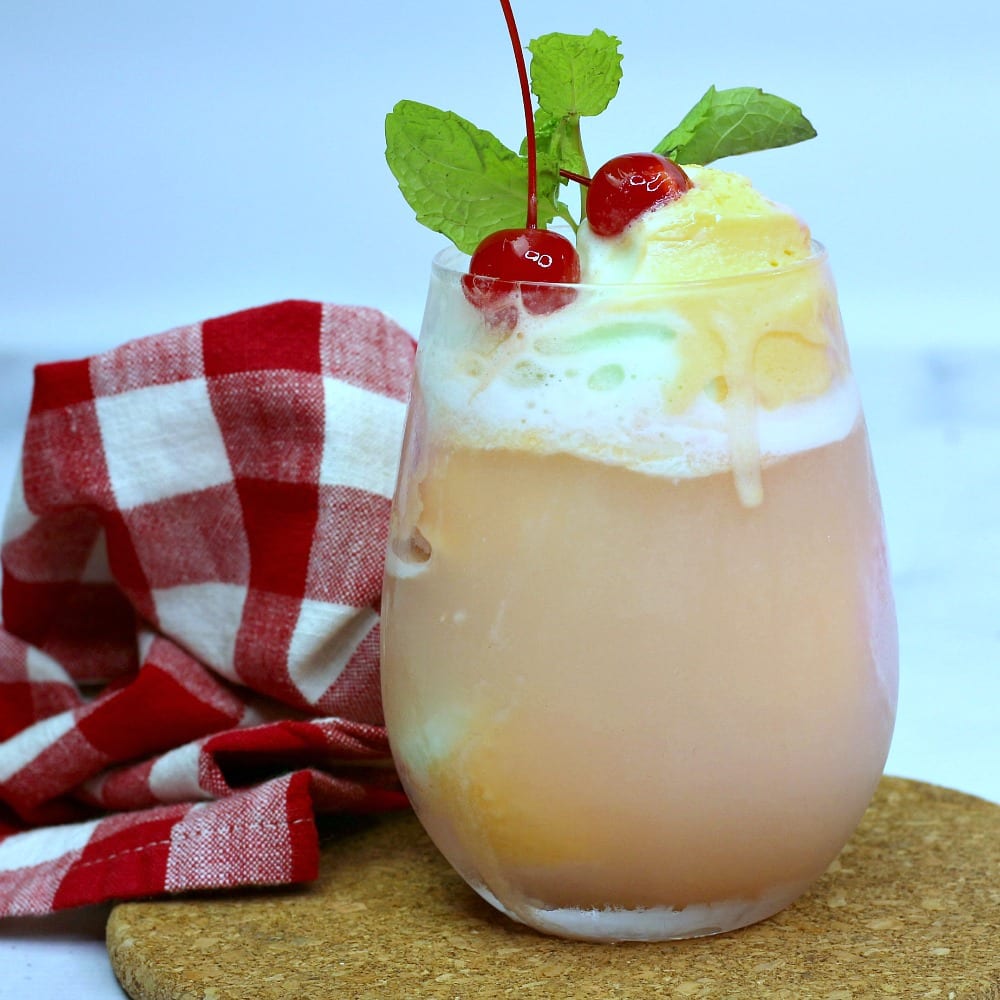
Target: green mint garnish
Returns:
[[461, 181], [575, 75], [731, 122], [464, 183]]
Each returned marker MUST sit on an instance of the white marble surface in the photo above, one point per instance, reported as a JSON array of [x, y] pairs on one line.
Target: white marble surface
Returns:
[[934, 418]]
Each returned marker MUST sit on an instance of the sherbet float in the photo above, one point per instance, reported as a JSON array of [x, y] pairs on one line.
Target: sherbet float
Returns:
[[639, 648]]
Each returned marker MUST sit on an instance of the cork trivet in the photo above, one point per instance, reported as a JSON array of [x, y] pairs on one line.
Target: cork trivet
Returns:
[[911, 908]]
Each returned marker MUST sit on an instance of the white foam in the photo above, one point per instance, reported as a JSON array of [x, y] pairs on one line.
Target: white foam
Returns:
[[589, 381]]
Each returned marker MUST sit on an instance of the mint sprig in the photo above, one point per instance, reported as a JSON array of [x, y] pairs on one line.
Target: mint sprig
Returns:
[[731, 122], [463, 182], [573, 77]]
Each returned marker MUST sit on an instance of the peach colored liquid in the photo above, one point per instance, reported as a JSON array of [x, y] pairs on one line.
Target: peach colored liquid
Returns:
[[608, 691]]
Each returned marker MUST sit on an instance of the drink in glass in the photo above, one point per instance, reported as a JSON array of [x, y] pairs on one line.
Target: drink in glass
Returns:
[[639, 647]]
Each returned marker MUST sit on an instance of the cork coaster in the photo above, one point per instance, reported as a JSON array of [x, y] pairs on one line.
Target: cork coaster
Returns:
[[911, 908]]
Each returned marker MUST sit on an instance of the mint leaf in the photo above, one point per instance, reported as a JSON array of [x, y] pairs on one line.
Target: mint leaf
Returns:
[[557, 142], [547, 147], [552, 156], [730, 122], [560, 139], [575, 74], [461, 181]]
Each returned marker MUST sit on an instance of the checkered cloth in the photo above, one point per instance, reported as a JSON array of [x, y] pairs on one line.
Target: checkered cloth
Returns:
[[192, 567]]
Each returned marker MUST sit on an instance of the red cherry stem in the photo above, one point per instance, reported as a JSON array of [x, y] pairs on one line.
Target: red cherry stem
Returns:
[[529, 118], [579, 178]]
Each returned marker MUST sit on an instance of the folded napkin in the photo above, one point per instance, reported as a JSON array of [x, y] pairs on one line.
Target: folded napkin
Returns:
[[192, 568]]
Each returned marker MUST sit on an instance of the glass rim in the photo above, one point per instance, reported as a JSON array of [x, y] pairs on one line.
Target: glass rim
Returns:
[[454, 263]]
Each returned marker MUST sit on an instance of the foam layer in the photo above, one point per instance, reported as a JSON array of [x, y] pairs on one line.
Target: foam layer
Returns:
[[708, 339], [648, 379]]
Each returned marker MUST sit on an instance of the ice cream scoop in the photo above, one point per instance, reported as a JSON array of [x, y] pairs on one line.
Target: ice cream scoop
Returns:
[[722, 226]]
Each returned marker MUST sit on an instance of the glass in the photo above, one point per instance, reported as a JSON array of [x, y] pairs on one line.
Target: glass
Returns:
[[639, 645]]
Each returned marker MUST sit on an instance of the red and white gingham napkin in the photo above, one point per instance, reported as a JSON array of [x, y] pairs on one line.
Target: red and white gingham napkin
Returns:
[[192, 568]]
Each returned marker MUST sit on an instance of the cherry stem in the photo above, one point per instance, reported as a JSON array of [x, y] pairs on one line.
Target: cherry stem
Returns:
[[529, 118], [579, 178]]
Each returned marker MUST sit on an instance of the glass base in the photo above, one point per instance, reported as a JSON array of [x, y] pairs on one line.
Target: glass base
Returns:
[[660, 923]]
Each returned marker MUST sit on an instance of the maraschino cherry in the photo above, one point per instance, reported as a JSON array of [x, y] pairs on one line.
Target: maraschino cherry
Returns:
[[522, 255], [629, 185]]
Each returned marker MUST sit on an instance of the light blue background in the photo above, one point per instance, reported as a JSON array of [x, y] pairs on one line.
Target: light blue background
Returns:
[[165, 162]]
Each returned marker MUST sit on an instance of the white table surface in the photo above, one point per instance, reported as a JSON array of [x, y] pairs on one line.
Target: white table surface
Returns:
[[934, 419]]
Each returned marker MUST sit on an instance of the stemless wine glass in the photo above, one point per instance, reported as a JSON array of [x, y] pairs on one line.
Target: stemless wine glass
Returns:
[[639, 645]]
